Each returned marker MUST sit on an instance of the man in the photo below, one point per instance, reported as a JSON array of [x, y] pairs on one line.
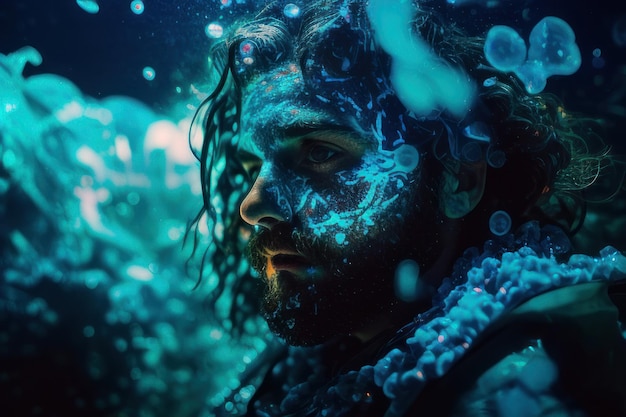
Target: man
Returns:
[[366, 168]]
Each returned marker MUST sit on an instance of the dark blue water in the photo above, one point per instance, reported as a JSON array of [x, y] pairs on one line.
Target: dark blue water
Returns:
[[97, 315]]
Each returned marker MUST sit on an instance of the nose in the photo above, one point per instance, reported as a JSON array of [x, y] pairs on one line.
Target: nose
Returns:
[[265, 204]]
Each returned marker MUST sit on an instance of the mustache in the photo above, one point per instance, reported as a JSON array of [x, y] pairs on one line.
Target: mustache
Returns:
[[279, 238]]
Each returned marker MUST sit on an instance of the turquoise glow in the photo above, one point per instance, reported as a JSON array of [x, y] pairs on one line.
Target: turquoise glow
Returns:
[[552, 51], [90, 6], [137, 6]]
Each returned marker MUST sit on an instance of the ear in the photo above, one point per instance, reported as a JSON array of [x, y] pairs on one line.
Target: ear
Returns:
[[463, 187]]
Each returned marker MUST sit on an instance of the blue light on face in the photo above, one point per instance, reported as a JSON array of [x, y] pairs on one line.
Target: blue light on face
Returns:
[[406, 280]]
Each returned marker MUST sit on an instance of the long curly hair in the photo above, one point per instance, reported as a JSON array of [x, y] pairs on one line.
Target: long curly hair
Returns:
[[547, 156]]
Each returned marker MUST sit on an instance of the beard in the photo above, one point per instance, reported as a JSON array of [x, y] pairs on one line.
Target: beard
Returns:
[[356, 286]]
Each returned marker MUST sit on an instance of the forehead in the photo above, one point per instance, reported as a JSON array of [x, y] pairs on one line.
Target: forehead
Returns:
[[279, 104]]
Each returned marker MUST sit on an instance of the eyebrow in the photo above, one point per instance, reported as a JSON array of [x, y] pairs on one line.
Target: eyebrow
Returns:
[[305, 129]]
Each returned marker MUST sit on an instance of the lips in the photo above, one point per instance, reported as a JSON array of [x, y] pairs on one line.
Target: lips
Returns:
[[286, 260]]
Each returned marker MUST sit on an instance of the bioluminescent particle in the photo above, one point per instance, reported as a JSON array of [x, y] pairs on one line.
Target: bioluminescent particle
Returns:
[[149, 73], [214, 30], [406, 281], [88, 331], [90, 6], [291, 10], [500, 223], [490, 82], [137, 6]]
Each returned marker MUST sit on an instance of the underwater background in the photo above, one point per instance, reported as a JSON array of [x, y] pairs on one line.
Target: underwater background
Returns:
[[99, 310]]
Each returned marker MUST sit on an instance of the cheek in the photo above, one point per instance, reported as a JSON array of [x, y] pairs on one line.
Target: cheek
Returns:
[[356, 204]]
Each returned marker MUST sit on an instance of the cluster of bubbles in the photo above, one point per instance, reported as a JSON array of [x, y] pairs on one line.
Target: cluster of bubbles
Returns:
[[552, 51]]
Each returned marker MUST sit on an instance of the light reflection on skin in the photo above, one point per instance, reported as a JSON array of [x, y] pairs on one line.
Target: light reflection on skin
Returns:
[[314, 167]]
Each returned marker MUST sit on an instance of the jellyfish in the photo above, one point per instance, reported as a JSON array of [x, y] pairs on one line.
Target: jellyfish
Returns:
[[552, 51]]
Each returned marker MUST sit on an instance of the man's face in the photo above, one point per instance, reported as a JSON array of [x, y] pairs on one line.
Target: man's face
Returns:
[[333, 213]]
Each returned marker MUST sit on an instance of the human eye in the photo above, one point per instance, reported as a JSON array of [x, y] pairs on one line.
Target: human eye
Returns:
[[322, 157], [321, 153], [251, 164]]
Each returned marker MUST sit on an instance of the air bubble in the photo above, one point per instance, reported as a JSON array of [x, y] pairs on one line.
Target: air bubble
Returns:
[[149, 73], [137, 6], [406, 158], [291, 10], [214, 30], [500, 223]]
